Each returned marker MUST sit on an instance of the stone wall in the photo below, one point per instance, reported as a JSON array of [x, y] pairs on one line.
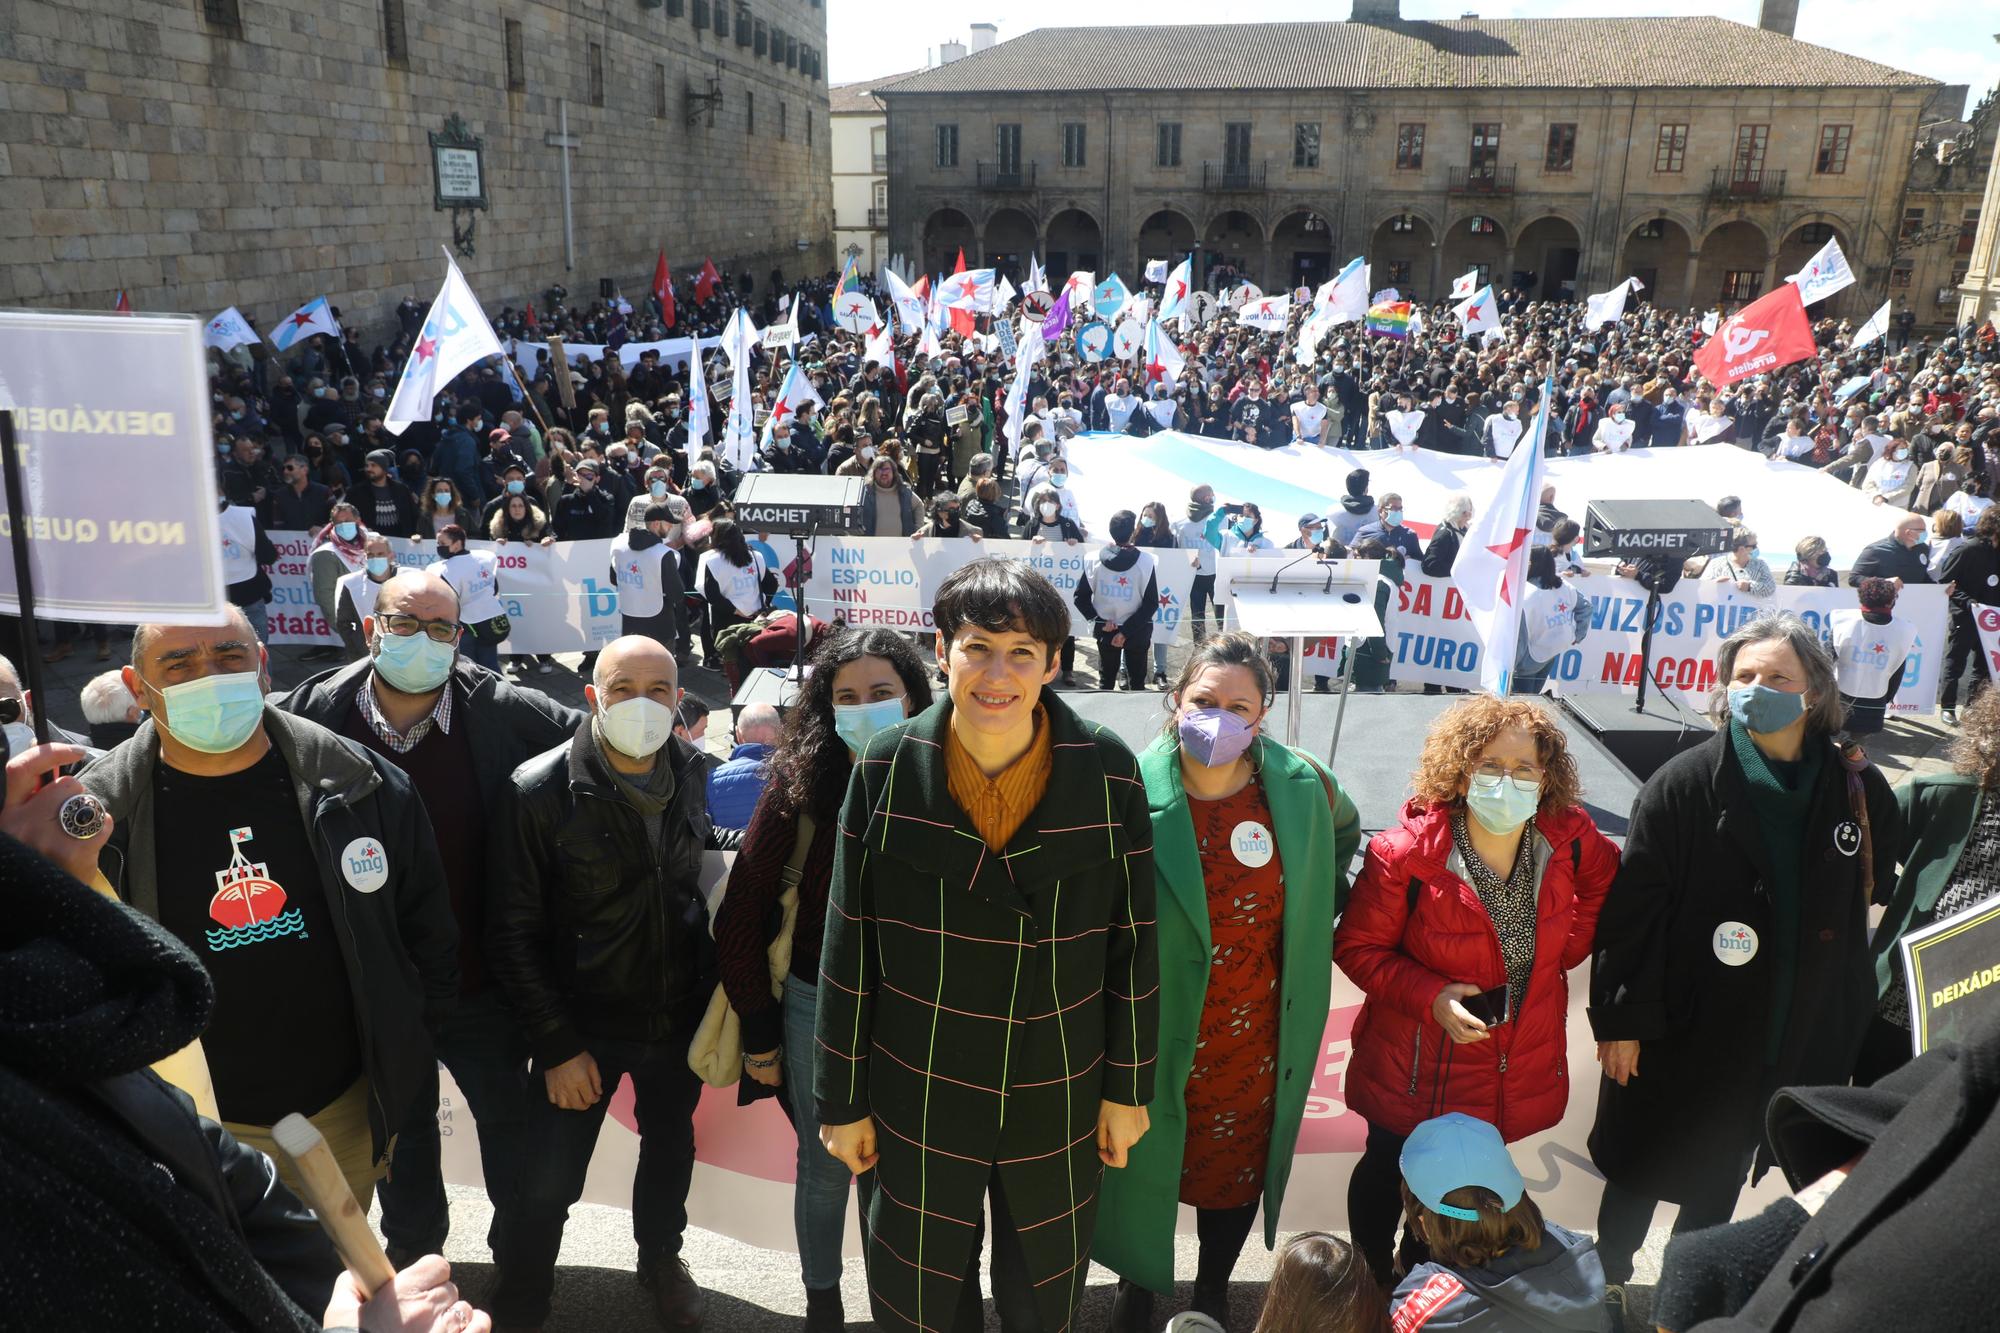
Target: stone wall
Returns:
[[148, 145], [1602, 206]]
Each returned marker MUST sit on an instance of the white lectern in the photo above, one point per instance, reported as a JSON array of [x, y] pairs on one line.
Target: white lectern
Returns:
[[1324, 600]]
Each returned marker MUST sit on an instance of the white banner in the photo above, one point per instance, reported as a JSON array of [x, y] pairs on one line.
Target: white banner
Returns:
[[673, 352], [890, 581], [559, 598]]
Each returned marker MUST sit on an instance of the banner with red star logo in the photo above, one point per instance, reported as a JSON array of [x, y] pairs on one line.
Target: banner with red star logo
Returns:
[[315, 316]]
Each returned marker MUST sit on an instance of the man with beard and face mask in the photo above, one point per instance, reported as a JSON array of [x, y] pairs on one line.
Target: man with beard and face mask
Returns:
[[302, 871], [1192, 534], [652, 589], [607, 965], [457, 732]]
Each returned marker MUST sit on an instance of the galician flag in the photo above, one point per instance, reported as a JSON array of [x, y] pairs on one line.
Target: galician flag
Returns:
[[909, 305], [1824, 274], [315, 316], [970, 291], [796, 392], [1478, 312], [1173, 302], [1876, 327], [739, 432], [228, 330], [1465, 284], [697, 400], [1348, 301], [1163, 357], [1493, 555], [454, 335]]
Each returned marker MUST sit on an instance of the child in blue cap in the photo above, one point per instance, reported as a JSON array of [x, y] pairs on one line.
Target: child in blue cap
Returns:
[[1495, 1264]]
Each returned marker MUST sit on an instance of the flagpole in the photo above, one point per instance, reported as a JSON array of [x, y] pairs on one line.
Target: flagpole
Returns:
[[24, 576], [527, 397]]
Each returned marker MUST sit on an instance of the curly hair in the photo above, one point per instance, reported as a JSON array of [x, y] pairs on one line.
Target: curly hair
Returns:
[[810, 767], [1975, 751], [1451, 751]]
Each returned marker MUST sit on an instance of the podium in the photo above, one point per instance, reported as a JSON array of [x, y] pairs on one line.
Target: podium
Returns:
[[1298, 601]]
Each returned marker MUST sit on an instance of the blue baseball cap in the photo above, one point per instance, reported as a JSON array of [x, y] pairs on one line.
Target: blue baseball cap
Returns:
[[1454, 1151]]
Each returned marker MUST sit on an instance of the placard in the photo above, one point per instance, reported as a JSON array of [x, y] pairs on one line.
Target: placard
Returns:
[[117, 469], [458, 176], [1952, 971]]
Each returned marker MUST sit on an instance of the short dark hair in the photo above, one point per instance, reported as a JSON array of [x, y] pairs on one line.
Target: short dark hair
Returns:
[[1001, 596], [1121, 526]]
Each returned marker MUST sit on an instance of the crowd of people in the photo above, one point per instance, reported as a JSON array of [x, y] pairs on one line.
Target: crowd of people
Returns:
[[1027, 990]]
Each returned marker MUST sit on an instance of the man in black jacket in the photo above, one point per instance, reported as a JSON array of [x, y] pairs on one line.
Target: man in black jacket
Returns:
[[457, 730], [387, 505], [1898, 556], [1973, 571], [1119, 594], [1442, 553], [303, 873], [598, 937], [588, 510]]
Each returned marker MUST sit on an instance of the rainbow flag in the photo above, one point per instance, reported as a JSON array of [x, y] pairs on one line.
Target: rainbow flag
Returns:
[[1389, 319], [850, 277]]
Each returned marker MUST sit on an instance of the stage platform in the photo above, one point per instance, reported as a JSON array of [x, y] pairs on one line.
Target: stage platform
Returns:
[[1379, 745]]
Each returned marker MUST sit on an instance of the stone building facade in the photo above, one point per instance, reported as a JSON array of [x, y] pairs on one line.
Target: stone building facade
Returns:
[[861, 173], [1979, 287], [1708, 158], [205, 153]]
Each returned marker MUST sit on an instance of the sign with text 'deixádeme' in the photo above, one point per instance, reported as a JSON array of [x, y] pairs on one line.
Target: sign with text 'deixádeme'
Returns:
[[111, 415]]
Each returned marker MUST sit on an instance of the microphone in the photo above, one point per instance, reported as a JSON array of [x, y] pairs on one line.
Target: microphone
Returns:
[[1312, 553]]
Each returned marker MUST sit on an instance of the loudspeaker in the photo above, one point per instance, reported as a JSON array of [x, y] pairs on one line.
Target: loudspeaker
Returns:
[[1642, 741], [606, 289]]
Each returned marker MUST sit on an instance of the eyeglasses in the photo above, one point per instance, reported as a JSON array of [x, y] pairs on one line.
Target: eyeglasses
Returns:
[[438, 631], [1524, 773]]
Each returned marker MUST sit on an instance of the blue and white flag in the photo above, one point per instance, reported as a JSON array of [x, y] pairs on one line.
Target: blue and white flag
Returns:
[[1109, 297], [1876, 327], [1173, 301], [739, 432], [315, 316], [1824, 274], [454, 335], [1478, 312], [697, 401], [228, 330], [1156, 270], [1492, 564], [1348, 300], [970, 291]]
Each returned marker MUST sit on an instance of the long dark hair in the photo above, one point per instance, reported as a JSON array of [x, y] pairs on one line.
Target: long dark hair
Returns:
[[1322, 1285], [809, 770], [726, 537]]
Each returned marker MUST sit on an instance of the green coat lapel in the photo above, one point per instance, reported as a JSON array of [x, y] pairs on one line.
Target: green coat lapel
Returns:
[[1070, 830]]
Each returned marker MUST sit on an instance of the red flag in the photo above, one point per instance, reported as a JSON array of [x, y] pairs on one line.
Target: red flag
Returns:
[[1769, 333], [962, 321], [663, 290], [123, 306], [705, 282], [529, 319], [923, 287]]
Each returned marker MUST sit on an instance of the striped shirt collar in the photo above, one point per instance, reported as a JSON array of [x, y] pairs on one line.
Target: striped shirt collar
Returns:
[[403, 743]]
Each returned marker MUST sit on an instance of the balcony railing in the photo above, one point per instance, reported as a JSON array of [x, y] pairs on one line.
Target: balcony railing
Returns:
[[878, 217], [1019, 176], [1232, 175], [1745, 183], [1486, 180]]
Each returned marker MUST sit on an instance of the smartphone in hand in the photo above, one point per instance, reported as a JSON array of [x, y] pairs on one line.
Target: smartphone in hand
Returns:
[[1489, 1007]]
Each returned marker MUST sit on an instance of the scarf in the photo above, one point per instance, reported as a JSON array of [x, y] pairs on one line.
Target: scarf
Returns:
[[1197, 512], [353, 552], [652, 797], [1782, 812]]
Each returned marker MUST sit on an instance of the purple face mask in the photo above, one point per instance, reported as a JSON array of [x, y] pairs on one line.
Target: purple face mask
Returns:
[[1214, 736]]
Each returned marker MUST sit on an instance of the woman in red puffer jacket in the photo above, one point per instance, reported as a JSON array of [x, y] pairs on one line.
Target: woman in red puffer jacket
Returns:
[[1459, 931]]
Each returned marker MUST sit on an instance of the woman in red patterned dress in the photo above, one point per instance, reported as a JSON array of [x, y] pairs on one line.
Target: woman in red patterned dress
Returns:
[[1251, 841]]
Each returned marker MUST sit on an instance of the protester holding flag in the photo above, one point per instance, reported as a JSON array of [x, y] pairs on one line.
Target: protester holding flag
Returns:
[[1732, 955], [1243, 978], [1464, 922]]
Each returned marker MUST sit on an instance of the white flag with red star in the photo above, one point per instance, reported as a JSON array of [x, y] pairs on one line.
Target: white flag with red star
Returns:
[[1173, 302], [1163, 358], [1493, 555], [797, 392], [315, 316], [1478, 312], [454, 335]]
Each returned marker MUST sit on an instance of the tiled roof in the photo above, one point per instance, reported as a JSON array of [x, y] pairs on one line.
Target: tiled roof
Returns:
[[859, 98], [1464, 53]]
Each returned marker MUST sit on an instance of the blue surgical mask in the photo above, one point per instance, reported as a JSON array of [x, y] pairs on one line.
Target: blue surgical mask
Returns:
[[1392, 518], [516, 486], [378, 564], [344, 531], [857, 724], [1244, 529], [442, 497], [215, 714], [1145, 520], [1761, 709], [1502, 804], [659, 490], [414, 663]]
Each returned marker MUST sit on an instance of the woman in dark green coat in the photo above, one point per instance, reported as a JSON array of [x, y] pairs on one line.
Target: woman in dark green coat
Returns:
[[1950, 860], [1251, 845]]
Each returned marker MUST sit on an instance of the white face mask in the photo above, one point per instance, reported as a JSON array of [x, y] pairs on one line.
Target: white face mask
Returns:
[[1049, 511], [636, 727]]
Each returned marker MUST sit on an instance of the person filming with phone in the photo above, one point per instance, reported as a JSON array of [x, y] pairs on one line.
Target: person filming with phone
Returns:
[[1461, 930]]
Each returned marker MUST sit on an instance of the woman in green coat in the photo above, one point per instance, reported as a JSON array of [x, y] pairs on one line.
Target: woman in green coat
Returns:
[[1245, 971]]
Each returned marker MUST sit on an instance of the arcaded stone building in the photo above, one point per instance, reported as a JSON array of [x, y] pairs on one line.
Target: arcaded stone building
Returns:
[[205, 153], [1708, 158]]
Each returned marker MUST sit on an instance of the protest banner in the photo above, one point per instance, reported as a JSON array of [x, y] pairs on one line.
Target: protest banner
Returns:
[[872, 582], [1986, 619], [100, 551], [559, 598], [530, 356]]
